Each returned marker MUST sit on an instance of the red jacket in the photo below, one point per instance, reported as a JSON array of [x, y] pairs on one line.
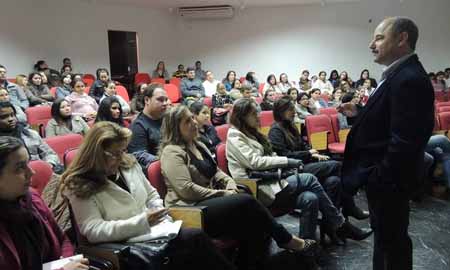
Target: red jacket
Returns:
[[8, 254]]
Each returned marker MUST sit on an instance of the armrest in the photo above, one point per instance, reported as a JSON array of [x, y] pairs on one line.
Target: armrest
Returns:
[[319, 140], [252, 184], [192, 217], [110, 254]]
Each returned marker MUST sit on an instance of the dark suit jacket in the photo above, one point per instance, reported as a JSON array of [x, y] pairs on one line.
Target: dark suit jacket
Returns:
[[385, 147]]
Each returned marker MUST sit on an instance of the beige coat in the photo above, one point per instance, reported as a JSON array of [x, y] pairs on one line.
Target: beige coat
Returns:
[[185, 184], [113, 214], [79, 126], [244, 154]]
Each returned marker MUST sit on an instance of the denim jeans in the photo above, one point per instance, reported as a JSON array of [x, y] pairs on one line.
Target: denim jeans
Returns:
[[310, 201], [439, 148]]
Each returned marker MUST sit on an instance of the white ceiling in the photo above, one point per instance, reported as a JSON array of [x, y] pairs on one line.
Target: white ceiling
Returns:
[[235, 3]]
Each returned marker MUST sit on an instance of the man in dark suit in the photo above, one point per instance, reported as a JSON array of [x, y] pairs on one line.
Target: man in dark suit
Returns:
[[385, 147]]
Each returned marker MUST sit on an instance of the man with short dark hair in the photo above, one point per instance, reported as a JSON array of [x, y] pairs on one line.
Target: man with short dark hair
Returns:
[[385, 148], [146, 127], [191, 88], [17, 95], [199, 72]]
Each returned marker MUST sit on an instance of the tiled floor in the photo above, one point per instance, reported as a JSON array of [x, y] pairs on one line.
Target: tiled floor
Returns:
[[429, 230]]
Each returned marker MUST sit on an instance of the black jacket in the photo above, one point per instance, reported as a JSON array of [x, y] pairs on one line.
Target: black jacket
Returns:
[[385, 147], [97, 89], [296, 148], [209, 138]]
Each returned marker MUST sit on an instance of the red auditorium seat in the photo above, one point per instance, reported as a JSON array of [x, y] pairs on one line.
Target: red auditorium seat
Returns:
[[260, 88], [123, 92], [175, 81], [142, 78], [222, 132], [69, 156], [42, 174], [208, 102], [13, 80], [53, 91], [158, 80], [172, 92], [62, 144], [221, 155], [328, 111], [443, 109], [444, 120], [442, 104], [258, 100], [88, 79], [242, 79], [266, 120], [321, 135], [440, 96], [37, 117]]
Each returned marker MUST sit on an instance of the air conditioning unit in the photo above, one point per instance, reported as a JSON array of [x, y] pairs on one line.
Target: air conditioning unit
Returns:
[[207, 12]]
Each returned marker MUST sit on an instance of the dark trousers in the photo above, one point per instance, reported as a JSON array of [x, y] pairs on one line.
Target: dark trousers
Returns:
[[389, 218], [245, 219]]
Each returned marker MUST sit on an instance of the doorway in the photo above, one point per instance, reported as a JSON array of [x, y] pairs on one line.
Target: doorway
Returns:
[[123, 56]]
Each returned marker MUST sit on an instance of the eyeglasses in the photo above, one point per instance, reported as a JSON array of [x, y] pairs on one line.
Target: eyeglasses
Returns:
[[115, 156]]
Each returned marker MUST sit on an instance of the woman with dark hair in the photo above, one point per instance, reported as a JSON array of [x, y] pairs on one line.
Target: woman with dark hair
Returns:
[[221, 104], [29, 234], [66, 69], [193, 178], [207, 132], [304, 82], [137, 102], [98, 87], [113, 201], [334, 78], [271, 84], [229, 80], [110, 110], [268, 100], [364, 76], [40, 65], [336, 98], [252, 82], [249, 152], [293, 94], [64, 89], [110, 91], [161, 72], [303, 108], [323, 84], [37, 92], [82, 104], [316, 102], [63, 122], [284, 85]]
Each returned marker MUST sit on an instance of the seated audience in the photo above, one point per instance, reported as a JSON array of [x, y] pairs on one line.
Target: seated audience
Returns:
[[343, 77], [336, 98], [36, 146], [250, 153], [334, 78], [191, 88], [316, 102], [98, 87], [229, 80], [210, 84], [271, 84], [29, 234], [80, 103], [137, 102], [292, 93], [323, 84], [20, 114], [207, 132], [64, 89], [110, 91], [284, 85], [161, 72], [146, 127], [66, 69], [112, 201], [303, 108], [221, 105], [286, 141], [252, 82], [440, 79], [344, 86], [110, 109], [63, 122], [349, 110], [268, 100], [364, 76], [193, 178], [38, 93], [180, 73], [199, 72], [304, 82], [16, 92]]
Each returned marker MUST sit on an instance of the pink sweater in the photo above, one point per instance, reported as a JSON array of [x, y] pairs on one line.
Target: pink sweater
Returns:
[[82, 104]]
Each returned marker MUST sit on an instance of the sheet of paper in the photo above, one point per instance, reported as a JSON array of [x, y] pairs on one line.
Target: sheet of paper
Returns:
[[60, 263], [163, 231]]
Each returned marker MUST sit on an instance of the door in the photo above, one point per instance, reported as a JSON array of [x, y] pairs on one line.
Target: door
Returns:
[[123, 56]]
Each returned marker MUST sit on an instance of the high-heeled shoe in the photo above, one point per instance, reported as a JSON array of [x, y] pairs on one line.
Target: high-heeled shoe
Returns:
[[350, 231], [327, 230], [308, 246]]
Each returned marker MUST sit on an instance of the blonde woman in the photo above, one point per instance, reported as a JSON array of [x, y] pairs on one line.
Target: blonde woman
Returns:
[[113, 201]]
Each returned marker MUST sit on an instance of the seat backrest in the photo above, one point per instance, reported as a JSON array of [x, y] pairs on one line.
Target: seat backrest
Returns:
[[37, 117], [222, 132], [208, 102], [53, 91], [320, 123], [221, 155], [69, 155], [328, 111], [123, 92], [242, 79], [261, 88], [444, 120], [266, 120], [158, 80], [442, 104], [335, 125], [440, 96], [88, 79], [443, 109], [42, 174], [173, 92], [61, 144], [175, 81], [142, 78], [156, 179], [258, 100]]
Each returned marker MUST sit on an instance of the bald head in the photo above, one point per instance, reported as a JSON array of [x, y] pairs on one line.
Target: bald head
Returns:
[[399, 25]]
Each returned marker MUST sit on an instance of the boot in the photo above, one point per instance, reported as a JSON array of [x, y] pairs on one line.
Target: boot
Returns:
[[350, 231]]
